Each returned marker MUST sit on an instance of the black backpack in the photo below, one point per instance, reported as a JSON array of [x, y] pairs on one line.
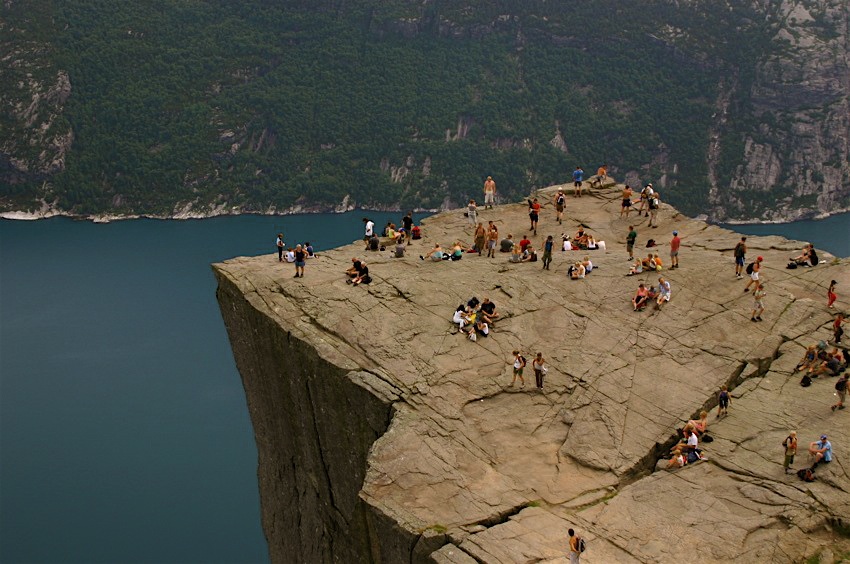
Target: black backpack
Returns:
[[841, 385], [750, 268], [806, 381], [582, 546], [806, 474]]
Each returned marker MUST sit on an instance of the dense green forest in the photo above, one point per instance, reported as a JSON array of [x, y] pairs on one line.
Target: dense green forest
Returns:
[[260, 104]]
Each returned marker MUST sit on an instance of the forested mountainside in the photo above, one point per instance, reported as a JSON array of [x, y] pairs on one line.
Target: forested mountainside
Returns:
[[734, 108]]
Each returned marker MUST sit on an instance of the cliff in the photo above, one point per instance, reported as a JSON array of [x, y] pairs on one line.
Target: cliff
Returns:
[[384, 436]]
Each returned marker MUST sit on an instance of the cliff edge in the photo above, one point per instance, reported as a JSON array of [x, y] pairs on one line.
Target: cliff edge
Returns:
[[384, 436]]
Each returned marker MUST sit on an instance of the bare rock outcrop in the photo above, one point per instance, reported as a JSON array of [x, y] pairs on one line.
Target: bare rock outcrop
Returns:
[[385, 436]]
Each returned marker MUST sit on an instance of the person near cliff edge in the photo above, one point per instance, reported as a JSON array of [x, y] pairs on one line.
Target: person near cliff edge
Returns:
[[675, 242], [300, 261], [369, 228], [753, 270], [489, 192], [407, 222], [740, 254], [578, 178], [279, 244]]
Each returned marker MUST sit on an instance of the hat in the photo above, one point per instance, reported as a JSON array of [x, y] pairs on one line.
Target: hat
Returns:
[[759, 259], [823, 437], [675, 233]]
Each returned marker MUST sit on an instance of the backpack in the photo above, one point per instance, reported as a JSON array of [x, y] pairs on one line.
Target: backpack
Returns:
[[791, 265], [653, 203], [582, 546], [739, 250], [561, 199], [841, 385], [806, 381], [523, 361], [750, 268], [806, 474]]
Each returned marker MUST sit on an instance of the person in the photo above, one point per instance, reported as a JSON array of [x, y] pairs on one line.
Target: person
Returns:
[[480, 239], [691, 446], [524, 242], [753, 270], [630, 242], [548, 245], [355, 268], [700, 425], [534, 214], [290, 255], [373, 243], [654, 204], [489, 192], [809, 256], [821, 451], [841, 392], [435, 254], [492, 238], [539, 366], [300, 261], [310, 251], [472, 212], [837, 330], [488, 311], [674, 250], [649, 262], [575, 549], [656, 260], [519, 364], [601, 175], [627, 201], [677, 461], [640, 298], [663, 292], [740, 253], [581, 238], [560, 204], [645, 195], [587, 264], [507, 244], [363, 277], [457, 251], [758, 302], [567, 245], [407, 223], [279, 244], [790, 444], [482, 329], [809, 359], [369, 228], [461, 316], [577, 271], [830, 294], [578, 177], [723, 401], [636, 268], [529, 254], [516, 254], [399, 249]]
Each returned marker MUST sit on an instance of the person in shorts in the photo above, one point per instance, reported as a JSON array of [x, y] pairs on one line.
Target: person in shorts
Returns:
[[560, 204], [630, 242], [519, 364], [675, 242], [790, 444], [626, 208], [300, 261], [758, 302], [754, 275], [740, 254], [489, 192]]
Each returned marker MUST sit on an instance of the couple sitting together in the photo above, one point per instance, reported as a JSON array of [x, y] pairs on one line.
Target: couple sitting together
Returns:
[[644, 295], [437, 253], [580, 269]]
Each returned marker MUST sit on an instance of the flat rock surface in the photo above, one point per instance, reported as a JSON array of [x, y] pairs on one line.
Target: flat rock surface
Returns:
[[503, 470]]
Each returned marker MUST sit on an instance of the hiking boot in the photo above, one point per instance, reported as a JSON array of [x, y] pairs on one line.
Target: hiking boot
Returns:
[[758, 318], [753, 319]]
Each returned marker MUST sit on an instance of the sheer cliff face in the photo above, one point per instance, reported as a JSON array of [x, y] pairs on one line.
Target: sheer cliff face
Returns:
[[784, 132], [386, 436]]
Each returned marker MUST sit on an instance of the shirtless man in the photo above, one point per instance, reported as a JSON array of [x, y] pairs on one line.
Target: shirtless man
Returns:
[[489, 192], [626, 208], [492, 239], [601, 175]]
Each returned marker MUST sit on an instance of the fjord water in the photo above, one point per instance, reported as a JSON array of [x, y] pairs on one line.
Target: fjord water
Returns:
[[124, 433]]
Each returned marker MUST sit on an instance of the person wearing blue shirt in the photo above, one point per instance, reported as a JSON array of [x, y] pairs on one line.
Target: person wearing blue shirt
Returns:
[[578, 177], [821, 451]]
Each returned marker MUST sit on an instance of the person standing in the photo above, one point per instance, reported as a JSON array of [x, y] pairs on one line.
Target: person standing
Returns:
[[519, 364], [830, 294], [539, 366], [790, 444], [654, 203], [740, 254], [534, 214], [547, 252], [279, 244], [626, 208], [753, 270], [492, 240], [837, 330], [369, 228], [601, 175], [472, 213], [489, 192], [407, 222], [575, 547], [480, 239], [674, 250], [758, 302], [578, 178], [841, 392], [560, 204], [723, 400], [630, 242], [300, 261]]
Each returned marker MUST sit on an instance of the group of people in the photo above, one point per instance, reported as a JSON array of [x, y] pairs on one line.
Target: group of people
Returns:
[[475, 318], [297, 255]]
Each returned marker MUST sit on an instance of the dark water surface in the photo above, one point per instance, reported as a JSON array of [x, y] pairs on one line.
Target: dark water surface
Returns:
[[124, 433]]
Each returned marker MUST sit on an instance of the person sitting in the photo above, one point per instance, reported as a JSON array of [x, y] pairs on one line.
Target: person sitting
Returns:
[[435, 254], [524, 243], [473, 304], [677, 461], [355, 268], [592, 245], [664, 293], [488, 311], [691, 445], [581, 238], [637, 268], [481, 328], [516, 254], [831, 366], [529, 254], [311, 253], [805, 258], [588, 266], [641, 297], [389, 230], [820, 451], [363, 277], [699, 425], [399, 248], [577, 271], [461, 317], [507, 244], [399, 236], [809, 358], [567, 245], [649, 262], [457, 251], [373, 243], [658, 265], [290, 255]]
